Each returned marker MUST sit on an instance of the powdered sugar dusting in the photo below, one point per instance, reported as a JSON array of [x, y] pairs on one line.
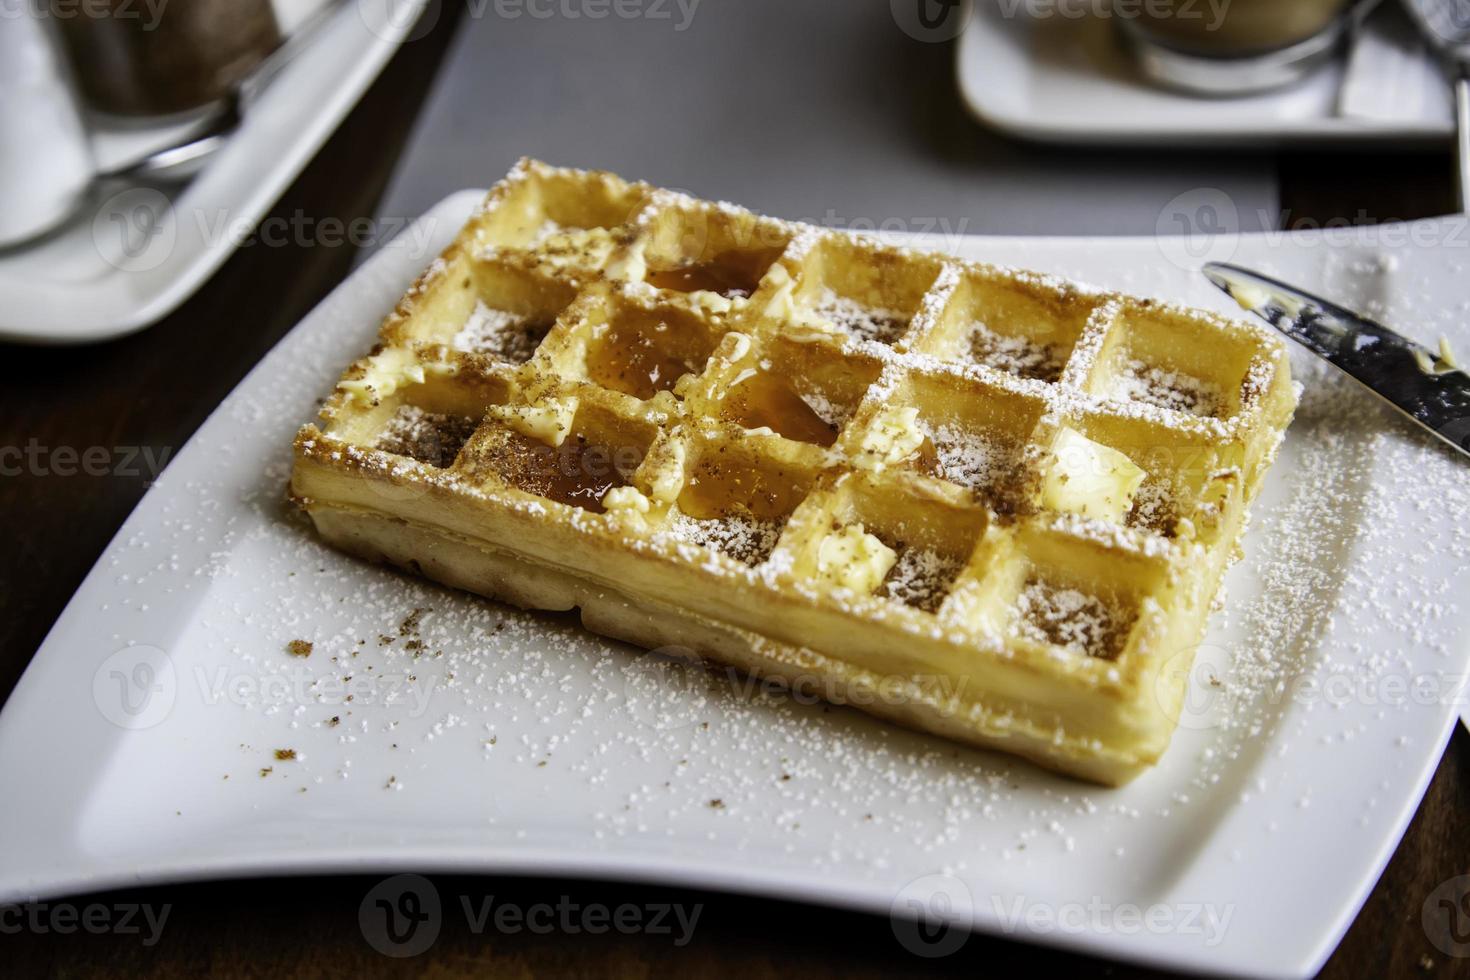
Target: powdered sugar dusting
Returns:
[[429, 437], [500, 333], [547, 230], [860, 321], [1067, 617], [1014, 354], [1138, 381], [1154, 508], [829, 410], [1308, 592], [744, 538], [971, 459], [921, 578]]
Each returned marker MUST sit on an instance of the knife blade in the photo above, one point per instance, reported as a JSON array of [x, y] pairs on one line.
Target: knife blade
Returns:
[[1426, 385]]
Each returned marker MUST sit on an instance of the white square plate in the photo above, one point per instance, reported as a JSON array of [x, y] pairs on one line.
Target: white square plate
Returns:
[[140, 745]]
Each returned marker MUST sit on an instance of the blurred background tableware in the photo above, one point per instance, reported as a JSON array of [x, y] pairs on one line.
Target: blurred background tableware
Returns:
[[45, 158], [182, 142], [1238, 27], [1446, 26], [1236, 47], [1077, 80], [164, 199], [164, 85], [137, 61], [120, 90]]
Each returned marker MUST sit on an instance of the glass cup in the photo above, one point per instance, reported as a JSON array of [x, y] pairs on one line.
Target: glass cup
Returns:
[[139, 61], [1234, 47]]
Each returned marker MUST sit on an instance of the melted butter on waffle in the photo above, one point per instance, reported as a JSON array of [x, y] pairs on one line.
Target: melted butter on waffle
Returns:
[[853, 559], [380, 375], [548, 420], [813, 456], [893, 437]]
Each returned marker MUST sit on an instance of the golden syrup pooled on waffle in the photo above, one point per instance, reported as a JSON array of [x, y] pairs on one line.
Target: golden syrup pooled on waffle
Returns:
[[766, 401], [734, 274], [578, 473], [644, 353], [719, 486], [739, 514], [1004, 500]]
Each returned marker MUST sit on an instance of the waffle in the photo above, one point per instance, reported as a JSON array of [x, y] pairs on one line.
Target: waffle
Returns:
[[981, 502]]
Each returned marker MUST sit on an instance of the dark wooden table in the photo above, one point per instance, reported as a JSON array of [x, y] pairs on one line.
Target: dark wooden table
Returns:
[[154, 389]]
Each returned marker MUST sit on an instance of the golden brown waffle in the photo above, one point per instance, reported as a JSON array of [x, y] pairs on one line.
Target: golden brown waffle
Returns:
[[983, 502]]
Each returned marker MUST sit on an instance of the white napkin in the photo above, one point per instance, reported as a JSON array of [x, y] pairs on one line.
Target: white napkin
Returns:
[[1392, 76]]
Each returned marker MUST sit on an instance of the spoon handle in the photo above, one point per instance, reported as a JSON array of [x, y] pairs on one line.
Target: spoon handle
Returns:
[[1462, 155]]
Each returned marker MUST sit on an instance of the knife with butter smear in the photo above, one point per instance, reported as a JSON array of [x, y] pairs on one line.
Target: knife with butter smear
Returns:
[[1427, 385]]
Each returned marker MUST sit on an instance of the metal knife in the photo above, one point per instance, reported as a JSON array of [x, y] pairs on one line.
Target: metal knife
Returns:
[[1426, 385]]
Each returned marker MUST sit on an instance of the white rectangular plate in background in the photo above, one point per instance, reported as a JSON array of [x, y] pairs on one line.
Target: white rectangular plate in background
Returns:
[[438, 731], [1069, 79]]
